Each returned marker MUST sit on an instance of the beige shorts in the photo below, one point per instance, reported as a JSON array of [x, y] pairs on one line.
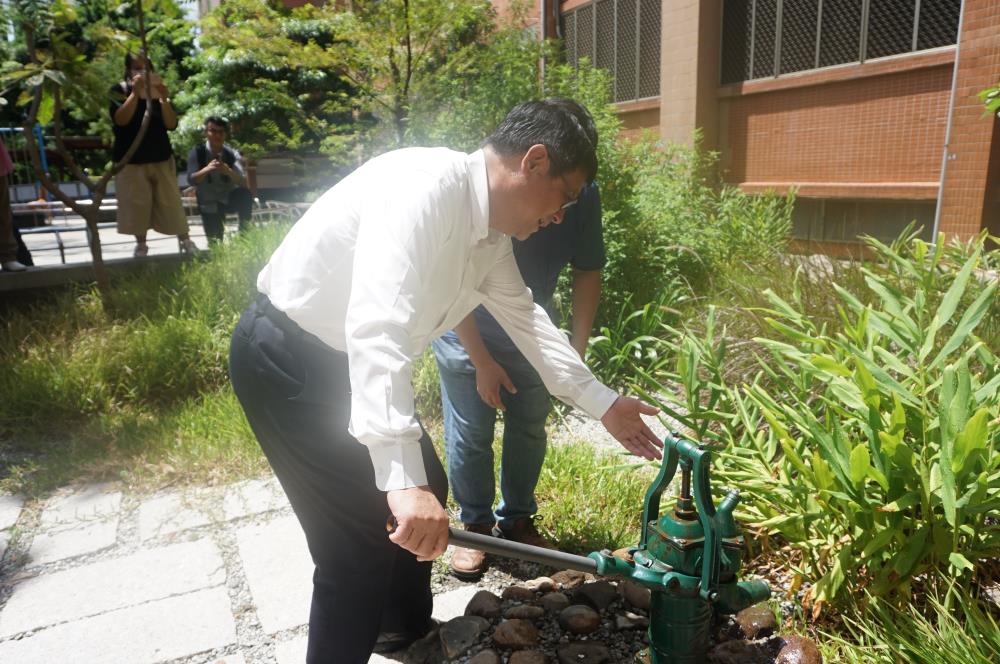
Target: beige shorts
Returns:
[[148, 197]]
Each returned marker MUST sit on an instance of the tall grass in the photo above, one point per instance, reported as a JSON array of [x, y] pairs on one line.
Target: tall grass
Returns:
[[88, 387]]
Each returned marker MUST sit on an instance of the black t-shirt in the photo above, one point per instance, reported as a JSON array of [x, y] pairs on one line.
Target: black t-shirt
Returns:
[[155, 144]]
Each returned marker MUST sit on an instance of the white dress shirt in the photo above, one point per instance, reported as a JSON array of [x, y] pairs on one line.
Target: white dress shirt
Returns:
[[393, 256]]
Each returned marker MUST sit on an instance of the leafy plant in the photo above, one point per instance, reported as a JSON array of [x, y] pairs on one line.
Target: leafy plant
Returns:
[[871, 448], [631, 342]]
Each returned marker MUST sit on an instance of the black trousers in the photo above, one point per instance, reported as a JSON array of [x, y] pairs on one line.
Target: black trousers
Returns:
[[295, 391], [239, 201]]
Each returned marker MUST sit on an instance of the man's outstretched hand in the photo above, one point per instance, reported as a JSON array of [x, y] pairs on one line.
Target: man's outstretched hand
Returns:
[[421, 522], [623, 422]]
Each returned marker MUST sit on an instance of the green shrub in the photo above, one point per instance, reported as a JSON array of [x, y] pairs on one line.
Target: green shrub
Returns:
[[872, 447]]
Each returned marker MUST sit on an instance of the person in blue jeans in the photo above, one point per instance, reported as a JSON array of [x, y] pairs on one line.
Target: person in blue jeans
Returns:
[[482, 372]]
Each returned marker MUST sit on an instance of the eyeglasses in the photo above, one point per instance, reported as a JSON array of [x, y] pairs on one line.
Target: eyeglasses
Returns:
[[572, 199], [215, 130]]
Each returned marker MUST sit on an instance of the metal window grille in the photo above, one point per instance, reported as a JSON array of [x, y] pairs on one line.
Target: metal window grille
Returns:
[[765, 38], [569, 38], [840, 32], [737, 27], [938, 23], [622, 36], [890, 27], [798, 35], [649, 48], [765, 28]]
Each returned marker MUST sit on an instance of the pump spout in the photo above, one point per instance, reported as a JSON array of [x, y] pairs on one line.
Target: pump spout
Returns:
[[734, 597]]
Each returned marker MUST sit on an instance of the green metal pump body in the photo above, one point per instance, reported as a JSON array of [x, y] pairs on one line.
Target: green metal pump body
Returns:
[[688, 557]]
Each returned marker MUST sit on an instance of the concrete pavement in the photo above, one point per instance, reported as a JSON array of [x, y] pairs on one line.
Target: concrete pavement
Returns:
[[93, 574]]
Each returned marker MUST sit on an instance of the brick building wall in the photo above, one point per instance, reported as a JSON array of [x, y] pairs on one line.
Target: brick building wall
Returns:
[[863, 144], [969, 194], [865, 131]]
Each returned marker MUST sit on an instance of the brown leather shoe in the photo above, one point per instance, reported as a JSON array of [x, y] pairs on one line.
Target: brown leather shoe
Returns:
[[469, 564], [523, 531]]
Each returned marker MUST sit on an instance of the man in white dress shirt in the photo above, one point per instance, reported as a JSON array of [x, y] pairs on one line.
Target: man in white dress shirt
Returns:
[[394, 255]]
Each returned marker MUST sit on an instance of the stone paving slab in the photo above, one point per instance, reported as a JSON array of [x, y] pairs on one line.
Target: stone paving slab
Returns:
[[61, 544], [92, 589], [10, 509], [253, 497], [94, 502], [171, 513], [294, 652], [452, 604], [279, 571], [154, 632]]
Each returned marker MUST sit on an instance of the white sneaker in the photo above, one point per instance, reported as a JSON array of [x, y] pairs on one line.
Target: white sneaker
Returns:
[[13, 266], [188, 246], [141, 250]]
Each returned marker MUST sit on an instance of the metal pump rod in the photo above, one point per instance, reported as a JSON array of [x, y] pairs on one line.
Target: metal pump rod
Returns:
[[534, 554]]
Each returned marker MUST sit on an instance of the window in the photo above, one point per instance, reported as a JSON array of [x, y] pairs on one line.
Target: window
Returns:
[[622, 36], [765, 38], [845, 220]]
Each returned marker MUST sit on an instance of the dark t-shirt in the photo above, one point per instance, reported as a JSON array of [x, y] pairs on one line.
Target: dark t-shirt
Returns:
[[577, 241], [155, 144]]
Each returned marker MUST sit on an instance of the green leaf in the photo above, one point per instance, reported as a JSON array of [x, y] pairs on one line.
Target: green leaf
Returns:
[[46, 108], [829, 364], [971, 440], [949, 303], [901, 503], [970, 319], [860, 463], [912, 552], [960, 562], [879, 542]]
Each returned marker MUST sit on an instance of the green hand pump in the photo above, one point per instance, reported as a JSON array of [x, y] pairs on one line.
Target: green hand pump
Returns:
[[689, 558]]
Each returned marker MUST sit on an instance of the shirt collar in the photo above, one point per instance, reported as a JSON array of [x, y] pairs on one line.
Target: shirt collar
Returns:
[[480, 194]]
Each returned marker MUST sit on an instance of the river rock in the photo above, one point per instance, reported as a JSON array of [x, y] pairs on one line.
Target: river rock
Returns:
[[460, 634], [739, 652], [485, 604], [635, 594], [624, 554], [629, 620], [515, 634], [568, 579], [542, 584], [426, 650], [525, 612], [485, 657], [517, 594], [528, 657], [599, 594], [756, 622], [582, 652], [798, 650], [554, 602], [579, 619]]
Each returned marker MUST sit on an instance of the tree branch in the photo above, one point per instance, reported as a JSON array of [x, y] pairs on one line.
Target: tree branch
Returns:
[[61, 145]]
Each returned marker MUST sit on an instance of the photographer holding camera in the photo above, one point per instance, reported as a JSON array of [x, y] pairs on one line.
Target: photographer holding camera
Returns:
[[146, 188]]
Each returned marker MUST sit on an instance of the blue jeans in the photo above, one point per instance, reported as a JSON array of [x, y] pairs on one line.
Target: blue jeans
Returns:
[[468, 435]]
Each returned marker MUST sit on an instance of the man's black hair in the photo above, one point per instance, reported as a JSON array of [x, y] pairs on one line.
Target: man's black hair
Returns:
[[217, 121], [563, 126]]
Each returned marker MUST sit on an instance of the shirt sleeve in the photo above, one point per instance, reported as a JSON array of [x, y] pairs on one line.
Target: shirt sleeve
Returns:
[[238, 163], [117, 98], [542, 344], [192, 165], [588, 250], [400, 238]]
